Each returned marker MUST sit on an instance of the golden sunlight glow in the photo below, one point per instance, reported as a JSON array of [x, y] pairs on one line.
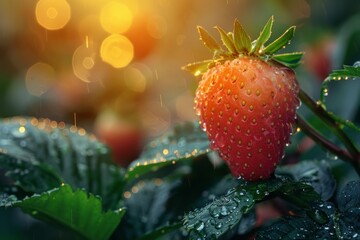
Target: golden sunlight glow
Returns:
[[135, 79], [39, 78], [53, 14], [115, 17], [82, 62], [117, 51], [157, 27]]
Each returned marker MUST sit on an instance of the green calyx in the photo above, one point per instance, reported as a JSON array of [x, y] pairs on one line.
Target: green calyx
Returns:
[[238, 43]]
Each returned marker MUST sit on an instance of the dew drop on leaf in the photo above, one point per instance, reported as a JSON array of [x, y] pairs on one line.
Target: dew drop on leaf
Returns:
[[224, 211], [218, 225], [357, 64], [215, 212], [19, 132], [199, 226]]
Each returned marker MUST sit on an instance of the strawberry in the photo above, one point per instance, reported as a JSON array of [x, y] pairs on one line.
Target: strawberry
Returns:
[[247, 99]]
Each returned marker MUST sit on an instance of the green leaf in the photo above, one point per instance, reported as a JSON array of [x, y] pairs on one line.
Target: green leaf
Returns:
[[27, 174], [224, 213], [76, 211], [337, 75], [291, 60], [146, 204], [39, 154], [289, 228], [242, 40], [181, 144], [198, 68], [343, 74], [208, 40], [281, 42], [303, 226], [263, 37], [349, 205], [299, 193], [350, 196], [7, 200], [218, 217], [322, 221], [315, 173], [226, 40]]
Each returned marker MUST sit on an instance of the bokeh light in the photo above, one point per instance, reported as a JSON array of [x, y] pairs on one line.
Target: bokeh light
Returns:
[[117, 51], [39, 78], [53, 14], [83, 61], [157, 27], [115, 17], [135, 79]]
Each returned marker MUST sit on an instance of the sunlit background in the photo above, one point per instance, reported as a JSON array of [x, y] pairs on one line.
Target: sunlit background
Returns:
[[113, 66]]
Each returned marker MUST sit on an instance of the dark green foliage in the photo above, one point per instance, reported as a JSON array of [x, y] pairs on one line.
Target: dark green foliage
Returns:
[[323, 221], [225, 213], [38, 155], [183, 143], [173, 191], [315, 173]]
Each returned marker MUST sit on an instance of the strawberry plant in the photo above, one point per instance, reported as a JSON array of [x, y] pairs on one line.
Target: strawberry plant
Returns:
[[180, 186]]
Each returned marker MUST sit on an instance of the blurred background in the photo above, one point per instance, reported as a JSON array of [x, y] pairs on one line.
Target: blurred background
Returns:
[[113, 67]]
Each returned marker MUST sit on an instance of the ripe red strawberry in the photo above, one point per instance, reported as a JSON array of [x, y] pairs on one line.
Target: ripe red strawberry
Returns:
[[247, 100]]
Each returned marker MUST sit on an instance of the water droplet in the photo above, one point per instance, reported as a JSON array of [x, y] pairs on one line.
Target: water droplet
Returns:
[[215, 212], [224, 211], [19, 132], [219, 140], [23, 143], [199, 226], [197, 111], [190, 215], [318, 216], [232, 190], [218, 225], [203, 126]]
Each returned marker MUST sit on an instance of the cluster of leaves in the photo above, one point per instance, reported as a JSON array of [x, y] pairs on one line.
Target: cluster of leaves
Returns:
[[239, 43], [173, 191]]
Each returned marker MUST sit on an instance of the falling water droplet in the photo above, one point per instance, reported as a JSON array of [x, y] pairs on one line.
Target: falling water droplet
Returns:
[[197, 111], [203, 126]]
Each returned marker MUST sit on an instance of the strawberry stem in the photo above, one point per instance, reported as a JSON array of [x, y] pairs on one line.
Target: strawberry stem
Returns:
[[352, 154]]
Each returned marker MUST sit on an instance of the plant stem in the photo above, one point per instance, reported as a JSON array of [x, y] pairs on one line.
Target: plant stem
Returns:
[[318, 138], [334, 126]]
